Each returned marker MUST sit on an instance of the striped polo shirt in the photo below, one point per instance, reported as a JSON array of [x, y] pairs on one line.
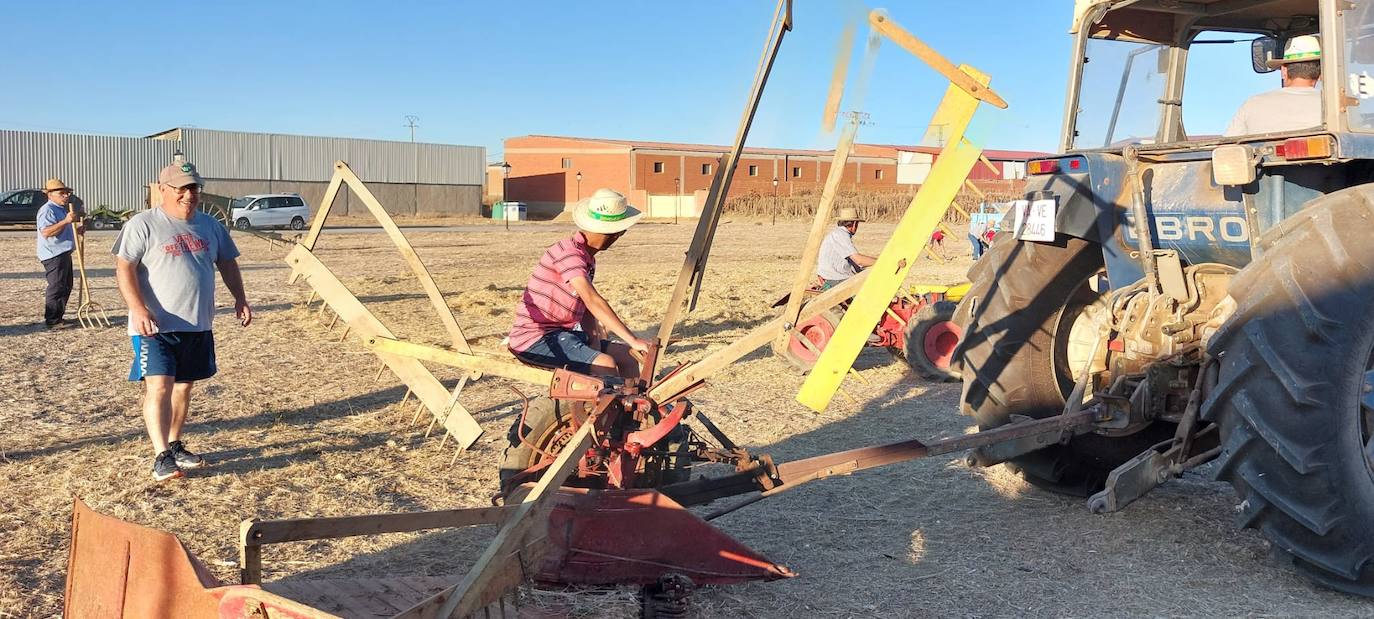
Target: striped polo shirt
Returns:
[[549, 302]]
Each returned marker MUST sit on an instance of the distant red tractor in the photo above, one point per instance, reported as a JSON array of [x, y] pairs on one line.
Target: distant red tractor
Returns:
[[918, 326]]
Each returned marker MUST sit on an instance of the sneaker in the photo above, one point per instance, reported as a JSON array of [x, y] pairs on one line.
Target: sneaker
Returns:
[[185, 459], [165, 467]]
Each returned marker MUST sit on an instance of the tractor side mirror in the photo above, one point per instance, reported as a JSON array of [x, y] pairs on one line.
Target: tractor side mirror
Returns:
[[1262, 50]]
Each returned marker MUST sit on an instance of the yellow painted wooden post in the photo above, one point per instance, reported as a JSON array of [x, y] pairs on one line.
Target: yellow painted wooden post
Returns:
[[911, 236]]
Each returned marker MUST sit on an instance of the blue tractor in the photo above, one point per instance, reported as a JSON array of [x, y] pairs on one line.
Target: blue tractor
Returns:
[[1210, 295]]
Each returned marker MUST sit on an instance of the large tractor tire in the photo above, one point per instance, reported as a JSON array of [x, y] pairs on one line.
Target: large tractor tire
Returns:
[[1295, 391], [1014, 356]]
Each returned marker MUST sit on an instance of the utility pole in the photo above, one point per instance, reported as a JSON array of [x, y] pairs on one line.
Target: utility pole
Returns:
[[415, 158], [410, 122]]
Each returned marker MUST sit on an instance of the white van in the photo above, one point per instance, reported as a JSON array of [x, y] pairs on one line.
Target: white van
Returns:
[[270, 210]]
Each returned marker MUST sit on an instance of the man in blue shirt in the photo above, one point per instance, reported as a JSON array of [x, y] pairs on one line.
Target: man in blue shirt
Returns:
[[56, 241]]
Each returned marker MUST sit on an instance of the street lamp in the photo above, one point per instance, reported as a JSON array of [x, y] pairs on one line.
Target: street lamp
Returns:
[[677, 198], [505, 177], [579, 186], [775, 201]]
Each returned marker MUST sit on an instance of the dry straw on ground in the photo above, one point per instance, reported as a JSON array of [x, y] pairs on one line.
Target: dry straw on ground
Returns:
[[295, 426]]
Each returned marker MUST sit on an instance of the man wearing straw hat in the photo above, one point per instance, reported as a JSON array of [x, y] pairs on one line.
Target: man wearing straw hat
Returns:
[[839, 258], [56, 242], [166, 262], [562, 321], [1297, 105]]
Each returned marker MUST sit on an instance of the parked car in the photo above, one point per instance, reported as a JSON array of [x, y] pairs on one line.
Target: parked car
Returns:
[[271, 210], [21, 205]]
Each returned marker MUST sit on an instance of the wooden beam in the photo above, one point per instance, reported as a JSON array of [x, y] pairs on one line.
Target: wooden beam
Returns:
[[880, 22], [836, 94], [436, 298], [761, 335], [912, 234], [694, 264], [495, 367], [821, 225], [497, 570], [327, 204], [411, 372]]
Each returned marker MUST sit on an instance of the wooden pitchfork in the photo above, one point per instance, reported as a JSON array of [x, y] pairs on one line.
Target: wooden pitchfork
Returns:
[[89, 313]]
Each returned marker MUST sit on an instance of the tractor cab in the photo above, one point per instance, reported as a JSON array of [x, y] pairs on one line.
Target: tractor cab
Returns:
[[1152, 91]]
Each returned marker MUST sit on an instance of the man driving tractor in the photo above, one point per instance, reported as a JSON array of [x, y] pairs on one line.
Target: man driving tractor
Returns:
[[839, 258], [1297, 105]]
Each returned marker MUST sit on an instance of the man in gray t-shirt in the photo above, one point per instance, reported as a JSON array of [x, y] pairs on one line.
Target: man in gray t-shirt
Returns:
[[1295, 106], [165, 266]]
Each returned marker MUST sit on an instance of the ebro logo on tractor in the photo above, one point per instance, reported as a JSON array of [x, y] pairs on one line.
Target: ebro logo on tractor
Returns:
[[1199, 228]]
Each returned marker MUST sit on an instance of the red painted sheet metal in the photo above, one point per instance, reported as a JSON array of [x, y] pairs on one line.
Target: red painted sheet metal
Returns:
[[635, 536]]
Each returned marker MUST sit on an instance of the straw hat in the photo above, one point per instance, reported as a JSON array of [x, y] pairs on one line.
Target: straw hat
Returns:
[[605, 212], [848, 213], [1298, 49], [55, 184]]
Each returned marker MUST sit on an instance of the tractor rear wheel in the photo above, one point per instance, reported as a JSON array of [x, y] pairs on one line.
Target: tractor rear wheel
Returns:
[[1016, 358], [1295, 392], [817, 330], [931, 338]]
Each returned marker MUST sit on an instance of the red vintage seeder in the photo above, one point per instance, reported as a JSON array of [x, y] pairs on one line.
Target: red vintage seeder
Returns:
[[597, 481]]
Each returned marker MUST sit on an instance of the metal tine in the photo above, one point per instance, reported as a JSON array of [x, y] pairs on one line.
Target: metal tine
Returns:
[[418, 409], [381, 367]]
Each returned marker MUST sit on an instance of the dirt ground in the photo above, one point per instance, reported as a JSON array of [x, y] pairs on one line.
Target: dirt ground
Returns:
[[295, 426]]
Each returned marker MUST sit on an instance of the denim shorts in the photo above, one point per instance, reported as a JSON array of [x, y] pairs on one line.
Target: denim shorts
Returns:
[[560, 349], [185, 356]]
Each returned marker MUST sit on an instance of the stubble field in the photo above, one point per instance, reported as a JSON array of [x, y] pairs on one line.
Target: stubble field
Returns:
[[294, 425]]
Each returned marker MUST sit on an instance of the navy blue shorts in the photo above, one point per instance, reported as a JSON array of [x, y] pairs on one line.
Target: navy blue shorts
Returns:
[[185, 356], [560, 349]]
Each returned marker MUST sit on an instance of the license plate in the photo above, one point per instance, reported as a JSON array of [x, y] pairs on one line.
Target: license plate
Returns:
[[1035, 220]]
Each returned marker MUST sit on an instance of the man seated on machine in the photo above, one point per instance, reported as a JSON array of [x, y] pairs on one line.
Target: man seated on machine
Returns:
[[839, 258], [1297, 105], [562, 321]]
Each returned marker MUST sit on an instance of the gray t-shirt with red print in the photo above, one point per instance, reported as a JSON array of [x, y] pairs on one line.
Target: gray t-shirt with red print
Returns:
[[176, 266]]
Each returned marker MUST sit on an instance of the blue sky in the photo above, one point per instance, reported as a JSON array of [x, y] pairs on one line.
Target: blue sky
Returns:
[[478, 72]]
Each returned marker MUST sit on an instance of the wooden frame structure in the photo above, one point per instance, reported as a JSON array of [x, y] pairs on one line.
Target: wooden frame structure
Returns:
[[507, 559], [334, 295]]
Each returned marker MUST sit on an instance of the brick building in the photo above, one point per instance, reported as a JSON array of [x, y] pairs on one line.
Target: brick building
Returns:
[[550, 173]]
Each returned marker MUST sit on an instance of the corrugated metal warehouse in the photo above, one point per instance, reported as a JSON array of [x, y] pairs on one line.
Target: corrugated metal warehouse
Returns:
[[407, 178]]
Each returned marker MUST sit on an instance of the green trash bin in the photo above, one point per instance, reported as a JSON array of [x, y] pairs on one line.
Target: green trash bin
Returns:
[[498, 211]]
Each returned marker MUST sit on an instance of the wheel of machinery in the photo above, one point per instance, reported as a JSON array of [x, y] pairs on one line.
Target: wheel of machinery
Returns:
[[817, 330], [297, 223], [1016, 356], [930, 341], [242, 223], [1295, 391], [547, 429]]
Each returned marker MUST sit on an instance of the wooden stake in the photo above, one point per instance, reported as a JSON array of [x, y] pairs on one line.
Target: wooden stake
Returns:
[[880, 22]]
